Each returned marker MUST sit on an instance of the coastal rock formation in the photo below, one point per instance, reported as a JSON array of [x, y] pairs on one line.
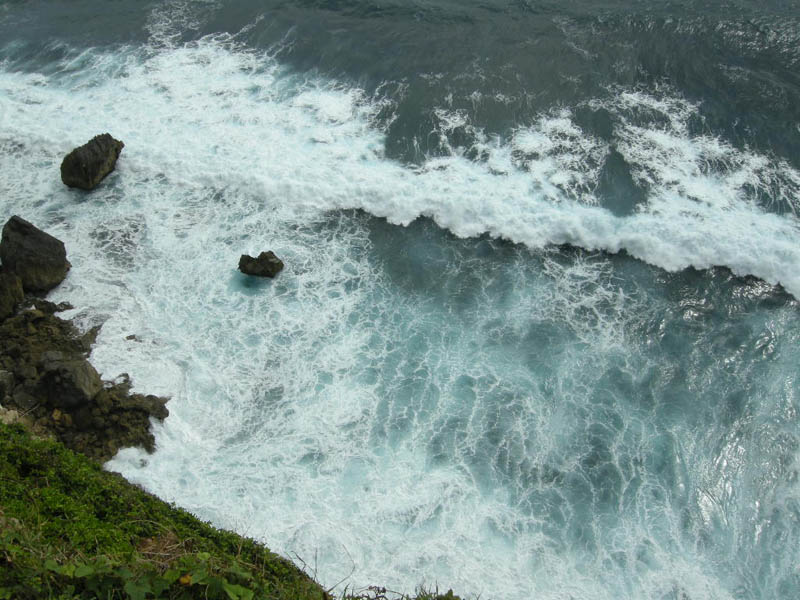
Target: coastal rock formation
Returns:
[[48, 381], [11, 293], [87, 165], [37, 258], [266, 265]]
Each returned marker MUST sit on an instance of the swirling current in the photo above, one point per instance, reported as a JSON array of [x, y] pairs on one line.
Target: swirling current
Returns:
[[538, 331]]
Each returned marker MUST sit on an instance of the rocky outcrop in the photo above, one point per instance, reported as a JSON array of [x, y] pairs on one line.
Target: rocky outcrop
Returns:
[[46, 379], [266, 265], [37, 258], [87, 165], [11, 293]]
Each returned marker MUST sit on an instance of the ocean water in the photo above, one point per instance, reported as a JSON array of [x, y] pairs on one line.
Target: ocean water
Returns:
[[538, 331]]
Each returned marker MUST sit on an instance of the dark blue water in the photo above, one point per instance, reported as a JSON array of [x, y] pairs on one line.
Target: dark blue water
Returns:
[[537, 334]]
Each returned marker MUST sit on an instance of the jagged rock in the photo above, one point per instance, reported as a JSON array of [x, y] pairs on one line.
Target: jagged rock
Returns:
[[68, 383], [60, 393], [11, 293], [266, 265], [30, 333], [90, 337], [36, 257], [121, 419], [87, 165]]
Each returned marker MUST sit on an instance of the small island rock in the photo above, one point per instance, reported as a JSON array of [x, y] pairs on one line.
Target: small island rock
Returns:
[[87, 165], [266, 265], [36, 257]]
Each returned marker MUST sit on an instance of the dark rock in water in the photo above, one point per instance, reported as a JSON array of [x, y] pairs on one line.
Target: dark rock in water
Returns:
[[87, 165], [11, 293], [36, 257], [46, 381], [266, 265], [68, 383]]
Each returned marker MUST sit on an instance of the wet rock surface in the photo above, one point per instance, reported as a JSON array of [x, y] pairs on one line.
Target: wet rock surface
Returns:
[[265, 265], [87, 165]]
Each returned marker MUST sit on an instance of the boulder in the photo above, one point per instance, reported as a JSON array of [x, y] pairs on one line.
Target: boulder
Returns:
[[36, 257], [11, 293], [266, 265], [87, 165], [67, 382]]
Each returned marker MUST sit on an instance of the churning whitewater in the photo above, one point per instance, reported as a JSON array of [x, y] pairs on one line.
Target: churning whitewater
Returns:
[[528, 343]]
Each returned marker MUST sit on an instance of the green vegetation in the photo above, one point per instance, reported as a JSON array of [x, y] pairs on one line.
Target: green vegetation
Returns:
[[70, 530]]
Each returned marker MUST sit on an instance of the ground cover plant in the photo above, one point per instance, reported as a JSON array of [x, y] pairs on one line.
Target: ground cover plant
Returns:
[[70, 530]]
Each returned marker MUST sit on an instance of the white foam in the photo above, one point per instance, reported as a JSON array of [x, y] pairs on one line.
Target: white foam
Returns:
[[272, 131], [279, 401]]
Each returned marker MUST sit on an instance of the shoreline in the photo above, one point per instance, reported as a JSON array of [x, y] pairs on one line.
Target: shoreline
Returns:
[[59, 422]]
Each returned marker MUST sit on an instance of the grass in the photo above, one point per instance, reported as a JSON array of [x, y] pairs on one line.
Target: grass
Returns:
[[70, 530]]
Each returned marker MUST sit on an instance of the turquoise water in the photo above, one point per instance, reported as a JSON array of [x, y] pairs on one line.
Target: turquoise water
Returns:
[[537, 333]]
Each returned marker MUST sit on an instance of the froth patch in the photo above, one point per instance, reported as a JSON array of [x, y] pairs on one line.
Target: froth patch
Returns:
[[344, 388], [706, 203]]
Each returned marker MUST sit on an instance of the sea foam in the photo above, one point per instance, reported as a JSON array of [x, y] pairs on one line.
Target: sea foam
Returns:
[[381, 424]]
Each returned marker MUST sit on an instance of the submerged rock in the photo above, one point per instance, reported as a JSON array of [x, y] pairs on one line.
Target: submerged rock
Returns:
[[266, 265], [87, 165], [36, 257], [11, 293]]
